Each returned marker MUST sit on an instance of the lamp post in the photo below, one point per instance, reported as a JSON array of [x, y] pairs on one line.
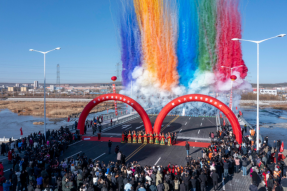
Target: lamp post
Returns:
[[257, 122], [45, 83]]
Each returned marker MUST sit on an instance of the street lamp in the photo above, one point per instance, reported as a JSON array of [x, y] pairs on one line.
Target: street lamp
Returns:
[[258, 42], [45, 83]]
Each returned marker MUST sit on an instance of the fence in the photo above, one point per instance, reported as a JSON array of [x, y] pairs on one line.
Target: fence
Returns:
[[4, 139], [115, 123]]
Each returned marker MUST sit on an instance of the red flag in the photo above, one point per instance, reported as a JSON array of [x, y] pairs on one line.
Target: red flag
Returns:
[[236, 108], [224, 122], [69, 119], [21, 131], [240, 113], [282, 147]]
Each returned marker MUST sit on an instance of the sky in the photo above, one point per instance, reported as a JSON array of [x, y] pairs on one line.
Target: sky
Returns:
[[87, 33]]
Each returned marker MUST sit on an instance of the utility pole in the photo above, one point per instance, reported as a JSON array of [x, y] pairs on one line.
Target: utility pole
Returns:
[[58, 79]]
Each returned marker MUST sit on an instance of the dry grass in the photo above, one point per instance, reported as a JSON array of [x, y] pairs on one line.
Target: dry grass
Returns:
[[252, 96], [38, 123], [53, 109], [279, 106], [274, 106]]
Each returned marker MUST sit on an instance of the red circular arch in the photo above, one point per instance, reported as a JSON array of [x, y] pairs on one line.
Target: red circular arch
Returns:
[[116, 97], [200, 98]]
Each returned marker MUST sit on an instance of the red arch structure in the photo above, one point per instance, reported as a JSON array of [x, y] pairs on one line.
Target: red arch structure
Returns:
[[116, 97], [200, 98]]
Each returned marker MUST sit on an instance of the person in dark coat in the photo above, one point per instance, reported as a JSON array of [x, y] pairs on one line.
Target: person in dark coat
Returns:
[[252, 187], [186, 179], [270, 183], [120, 182], [152, 187], [255, 178], [215, 178], [3, 149], [182, 186], [187, 148], [160, 186], [193, 183], [202, 179]]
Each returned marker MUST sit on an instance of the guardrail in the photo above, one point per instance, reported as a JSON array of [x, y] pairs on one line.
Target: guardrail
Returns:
[[114, 123]]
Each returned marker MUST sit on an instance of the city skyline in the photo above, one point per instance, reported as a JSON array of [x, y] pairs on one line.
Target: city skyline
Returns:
[[90, 44]]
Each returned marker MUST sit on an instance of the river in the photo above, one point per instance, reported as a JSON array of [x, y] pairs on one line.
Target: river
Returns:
[[273, 122]]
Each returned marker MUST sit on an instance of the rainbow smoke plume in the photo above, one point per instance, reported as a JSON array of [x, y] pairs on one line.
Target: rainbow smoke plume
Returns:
[[174, 47]]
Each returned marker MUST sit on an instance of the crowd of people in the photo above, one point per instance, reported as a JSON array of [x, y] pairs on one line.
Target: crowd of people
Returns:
[[34, 159], [39, 167]]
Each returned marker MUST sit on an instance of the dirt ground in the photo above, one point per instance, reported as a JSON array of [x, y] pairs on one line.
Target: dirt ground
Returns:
[[53, 109]]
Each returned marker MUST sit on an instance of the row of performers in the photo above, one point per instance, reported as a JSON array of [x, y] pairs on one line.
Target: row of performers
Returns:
[[143, 137]]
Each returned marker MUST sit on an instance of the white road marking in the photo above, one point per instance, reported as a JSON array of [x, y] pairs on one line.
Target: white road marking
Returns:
[[198, 131], [140, 127], [180, 130], [202, 118], [189, 118], [157, 161], [185, 123], [4, 158], [201, 124], [99, 156], [125, 126], [74, 154], [75, 143]]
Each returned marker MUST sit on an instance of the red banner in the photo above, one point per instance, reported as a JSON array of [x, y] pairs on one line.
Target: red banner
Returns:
[[114, 91], [21, 131], [282, 147]]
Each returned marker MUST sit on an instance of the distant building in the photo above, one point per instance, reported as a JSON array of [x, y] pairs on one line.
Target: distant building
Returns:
[[24, 89], [52, 87], [36, 84], [17, 85], [270, 92], [26, 85], [12, 89]]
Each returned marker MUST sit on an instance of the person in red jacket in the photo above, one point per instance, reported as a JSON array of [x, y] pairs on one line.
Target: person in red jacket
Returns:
[[1, 169], [10, 156]]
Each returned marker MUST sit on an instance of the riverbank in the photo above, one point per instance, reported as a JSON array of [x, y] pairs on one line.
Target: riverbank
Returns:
[[55, 110], [281, 105]]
